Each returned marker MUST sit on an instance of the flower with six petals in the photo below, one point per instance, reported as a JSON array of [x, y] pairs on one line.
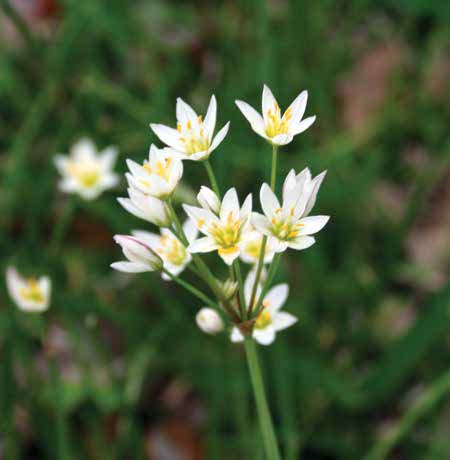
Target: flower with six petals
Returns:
[[193, 138], [277, 129]]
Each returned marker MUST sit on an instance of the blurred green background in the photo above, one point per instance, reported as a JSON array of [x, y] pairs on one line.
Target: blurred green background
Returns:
[[364, 374]]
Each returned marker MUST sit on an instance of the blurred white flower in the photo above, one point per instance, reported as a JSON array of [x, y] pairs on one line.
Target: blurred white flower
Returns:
[[208, 199], [226, 232], [286, 225], [270, 320], [141, 258], [193, 138], [147, 207], [158, 176], [209, 321], [31, 294], [277, 129], [85, 171], [171, 250], [251, 249]]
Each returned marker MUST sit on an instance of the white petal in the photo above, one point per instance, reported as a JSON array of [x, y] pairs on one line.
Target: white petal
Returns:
[[282, 320], [230, 204], [169, 136], [228, 255], [276, 297], [302, 242], [130, 267], [315, 185], [254, 118], [205, 244], [303, 125], [236, 335], [108, 158], [185, 112], [282, 139], [201, 217], [219, 137], [264, 336], [268, 102], [190, 229], [298, 107], [313, 224], [210, 118], [84, 149], [61, 162], [151, 239], [248, 286], [261, 223], [246, 208], [269, 201]]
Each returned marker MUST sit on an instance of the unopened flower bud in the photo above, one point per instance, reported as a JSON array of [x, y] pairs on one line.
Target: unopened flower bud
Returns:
[[229, 288], [209, 321], [208, 199]]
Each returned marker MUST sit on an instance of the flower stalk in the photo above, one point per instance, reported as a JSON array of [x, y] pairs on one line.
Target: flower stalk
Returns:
[[265, 420]]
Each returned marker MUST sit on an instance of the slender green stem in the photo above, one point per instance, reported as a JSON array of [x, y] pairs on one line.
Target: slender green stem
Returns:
[[273, 173], [178, 227], [265, 420], [262, 252], [193, 290], [212, 177], [62, 225], [238, 277]]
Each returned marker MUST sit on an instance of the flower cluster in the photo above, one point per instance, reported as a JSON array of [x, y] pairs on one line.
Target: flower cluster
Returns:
[[225, 224]]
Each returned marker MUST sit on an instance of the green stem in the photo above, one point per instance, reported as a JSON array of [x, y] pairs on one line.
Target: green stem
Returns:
[[62, 225], [262, 252], [193, 290], [212, 177], [265, 420], [178, 227], [238, 277], [273, 173]]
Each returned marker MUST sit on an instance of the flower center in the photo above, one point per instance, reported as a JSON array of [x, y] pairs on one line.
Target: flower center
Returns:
[[253, 248], [87, 174], [194, 138], [227, 234], [264, 319], [32, 292], [285, 228], [172, 250], [275, 124], [161, 169]]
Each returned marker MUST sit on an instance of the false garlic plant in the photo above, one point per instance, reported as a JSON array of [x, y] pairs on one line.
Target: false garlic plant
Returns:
[[248, 311]]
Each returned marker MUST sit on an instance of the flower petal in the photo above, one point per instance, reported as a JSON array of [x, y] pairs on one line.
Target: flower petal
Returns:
[[276, 297], [283, 320], [236, 335], [220, 136], [209, 122], [205, 244], [268, 102], [228, 255], [169, 136], [130, 267], [303, 125], [230, 204], [264, 336], [253, 117], [297, 108], [302, 242], [313, 224], [261, 223], [315, 186], [269, 201]]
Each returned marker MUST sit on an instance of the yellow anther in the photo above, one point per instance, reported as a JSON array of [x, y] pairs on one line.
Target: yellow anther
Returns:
[[200, 223]]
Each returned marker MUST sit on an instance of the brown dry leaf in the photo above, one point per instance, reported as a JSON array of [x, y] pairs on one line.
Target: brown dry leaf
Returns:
[[428, 243], [364, 89]]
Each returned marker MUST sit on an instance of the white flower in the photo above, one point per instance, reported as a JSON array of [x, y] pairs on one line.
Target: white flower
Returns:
[[193, 138], [209, 321], [86, 172], [141, 258], [158, 176], [171, 250], [277, 129], [226, 232], [147, 207], [251, 249], [270, 320], [30, 295], [286, 225], [208, 199]]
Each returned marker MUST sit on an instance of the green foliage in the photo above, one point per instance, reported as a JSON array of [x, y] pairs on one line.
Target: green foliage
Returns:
[[125, 346]]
